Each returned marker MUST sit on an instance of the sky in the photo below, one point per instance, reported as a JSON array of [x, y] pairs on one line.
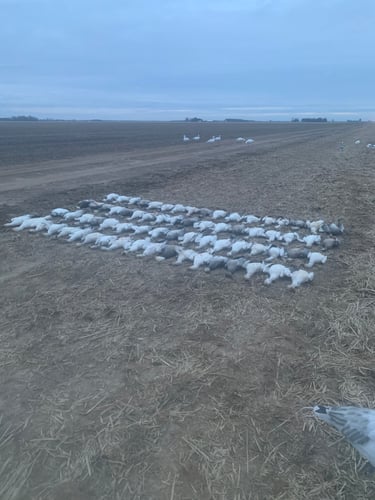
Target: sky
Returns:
[[172, 59]]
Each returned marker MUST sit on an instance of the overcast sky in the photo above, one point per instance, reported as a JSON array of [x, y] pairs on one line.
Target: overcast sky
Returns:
[[171, 59]]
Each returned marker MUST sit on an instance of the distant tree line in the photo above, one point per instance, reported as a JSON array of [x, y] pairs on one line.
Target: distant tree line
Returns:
[[20, 119], [311, 120], [195, 119]]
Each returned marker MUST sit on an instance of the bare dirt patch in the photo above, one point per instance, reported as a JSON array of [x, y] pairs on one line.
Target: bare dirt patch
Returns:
[[125, 378]]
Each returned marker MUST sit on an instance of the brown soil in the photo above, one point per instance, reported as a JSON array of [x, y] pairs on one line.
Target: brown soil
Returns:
[[124, 378]]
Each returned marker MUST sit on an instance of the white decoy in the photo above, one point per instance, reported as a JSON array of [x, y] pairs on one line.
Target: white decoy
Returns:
[[123, 199], [137, 214], [200, 259], [152, 249], [134, 200], [290, 237], [91, 238], [178, 208], [311, 239], [315, 225], [67, 231], [240, 139], [356, 424], [275, 252], [174, 234], [158, 232], [138, 245], [357, 141], [141, 229], [299, 277], [17, 221], [105, 240], [155, 205], [239, 229], [273, 235], [253, 268], [316, 258], [207, 240], [256, 232], [282, 222], [55, 229], [275, 272], [59, 212], [111, 197], [222, 244], [204, 224], [162, 218], [219, 214], [186, 138], [240, 246], [259, 248], [267, 221], [213, 139], [109, 223], [189, 237], [73, 215], [42, 225], [233, 217], [166, 207], [184, 254], [218, 138], [79, 234], [250, 219], [32, 223], [124, 227], [148, 217], [86, 218], [197, 137], [221, 227], [249, 141], [117, 210], [124, 243]]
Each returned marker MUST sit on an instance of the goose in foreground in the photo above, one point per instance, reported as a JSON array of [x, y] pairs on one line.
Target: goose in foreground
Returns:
[[59, 212], [219, 214], [253, 268], [17, 221], [184, 254], [275, 272], [186, 138], [200, 259], [316, 258], [311, 239], [36, 223], [356, 424], [299, 277], [330, 243]]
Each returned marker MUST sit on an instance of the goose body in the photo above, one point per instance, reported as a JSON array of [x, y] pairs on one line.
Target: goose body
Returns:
[[250, 219], [356, 424], [205, 241], [189, 237], [73, 215], [221, 227], [273, 235], [316, 258], [233, 217], [17, 221], [184, 254], [311, 239], [222, 244], [275, 252], [275, 272], [240, 246], [156, 205], [109, 223], [219, 214], [124, 227], [253, 268], [299, 277], [256, 232], [59, 212], [258, 248], [79, 234], [186, 138], [200, 259]]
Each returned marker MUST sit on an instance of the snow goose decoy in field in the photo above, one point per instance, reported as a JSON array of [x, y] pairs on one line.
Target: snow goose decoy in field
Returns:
[[111, 197], [73, 215], [200, 259], [184, 254], [179, 208], [174, 234], [336, 229], [109, 223], [299, 277], [79, 234], [251, 219], [152, 249], [138, 245], [124, 227], [55, 229], [316, 258], [203, 225], [252, 268], [197, 137], [189, 237], [259, 248], [155, 205], [268, 221], [123, 199], [275, 252], [123, 242], [240, 246], [91, 238], [117, 210], [166, 207], [135, 200], [289, 237], [249, 141], [67, 231], [221, 227], [222, 244], [329, 243], [273, 235], [137, 214], [36, 223], [141, 229], [240, 139], [315, 225], [186, 138], [233, 265], [17, 221], [59, 212], [357, 141], [167, 252], [311, 239], [233, 217], [216, 262], [105, 241], [158, 232], [275, 272], [256, 232], [239, 229], [207, 240], [219, 214], [356, 424], [212, 139], [297, 253]]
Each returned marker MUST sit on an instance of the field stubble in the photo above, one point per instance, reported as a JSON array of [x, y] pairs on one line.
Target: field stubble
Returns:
[[126, 378]]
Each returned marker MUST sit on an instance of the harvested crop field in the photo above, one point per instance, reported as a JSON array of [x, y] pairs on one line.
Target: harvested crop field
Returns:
[[127, 378]]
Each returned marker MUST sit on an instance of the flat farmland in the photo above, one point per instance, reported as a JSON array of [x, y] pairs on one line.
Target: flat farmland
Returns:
[[127, 378]]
